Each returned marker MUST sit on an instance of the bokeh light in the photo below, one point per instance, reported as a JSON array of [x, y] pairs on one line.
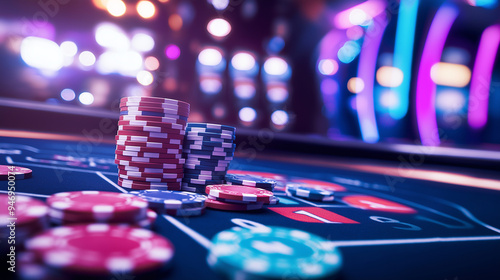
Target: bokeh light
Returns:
[[68, 94], [328, 67], [175, 22], [41, 53], [210, 57], [146, 9], [172, 52], [112, 37], [355, 85], [243, 61], [151, 63], [279, 117], [86, 98], [275, 66], [244, 91], [389, 76], [87, 58], [220, 5], [145, 78], [68, 48], [143, 42], [116, 8], [219, 27], [247, 114]]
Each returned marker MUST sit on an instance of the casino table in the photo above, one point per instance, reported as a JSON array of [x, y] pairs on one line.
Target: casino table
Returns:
[[388, 220]]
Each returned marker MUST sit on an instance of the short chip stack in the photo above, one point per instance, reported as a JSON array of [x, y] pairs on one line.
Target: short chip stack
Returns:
[[98, 207], [174, 203], [149, 142], [309, 192], [238, 198], [208, 150]]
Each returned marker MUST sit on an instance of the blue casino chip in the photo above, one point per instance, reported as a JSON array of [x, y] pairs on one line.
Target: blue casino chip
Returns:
[[209, 134], [166, 199], [209, 153], [209, 143], [204, 177], [212, 126], [310, 192], [273, 253], [210, 130], [152, 114], [251, 181], [202, 182]]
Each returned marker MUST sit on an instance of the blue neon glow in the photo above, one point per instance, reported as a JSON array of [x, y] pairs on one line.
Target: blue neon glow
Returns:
[[484, 3], [403, 53]]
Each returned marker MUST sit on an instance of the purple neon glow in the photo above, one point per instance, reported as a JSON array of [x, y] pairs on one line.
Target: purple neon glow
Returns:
[[426, 88], [172, 52], [366, 71], [481, 77], [370, 8]]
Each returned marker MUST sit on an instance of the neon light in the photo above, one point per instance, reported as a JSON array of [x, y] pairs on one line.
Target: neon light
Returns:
[[481, 77], [403, 53], [426, 88], [366, 71]]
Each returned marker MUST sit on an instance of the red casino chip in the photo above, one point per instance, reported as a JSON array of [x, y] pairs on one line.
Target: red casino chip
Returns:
[[170, 111], [150, 179], [170, 154], [220, 205], [150, 134], [138, 185], [149, 170], [99, 206], [148, 139], [31, 215], [157, 100], [151, 129], [150, 165], [153, 119], [154, 124], [138, 149], [151, 175], [14, 172], [102, 249], [177, 161], [137, 146], [154, 105], [241, 193]]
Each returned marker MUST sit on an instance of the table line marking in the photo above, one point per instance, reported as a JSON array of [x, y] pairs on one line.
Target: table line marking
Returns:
[[469, 215], [375, 242], [9, 160], [202, 240], [319, 205], [28, 194], [110, 182], [63, 168]]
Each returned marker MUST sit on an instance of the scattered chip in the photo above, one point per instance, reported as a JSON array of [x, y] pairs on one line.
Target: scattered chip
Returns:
[[242, 193], [310, 192], [100, 249], [14, 172]]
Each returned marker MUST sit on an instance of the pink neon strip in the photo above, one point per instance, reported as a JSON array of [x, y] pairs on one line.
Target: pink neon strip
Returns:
[[366, 71], [481, 77], [372, 8], [426, 88]]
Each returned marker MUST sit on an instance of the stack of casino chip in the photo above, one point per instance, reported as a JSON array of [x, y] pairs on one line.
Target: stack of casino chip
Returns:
[[208, 150], [30, 218], [174, 203], [238, 198], [149, 142]]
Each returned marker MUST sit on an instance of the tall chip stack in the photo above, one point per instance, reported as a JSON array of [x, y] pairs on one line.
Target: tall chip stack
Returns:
[[208, 151], [149, 142]]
